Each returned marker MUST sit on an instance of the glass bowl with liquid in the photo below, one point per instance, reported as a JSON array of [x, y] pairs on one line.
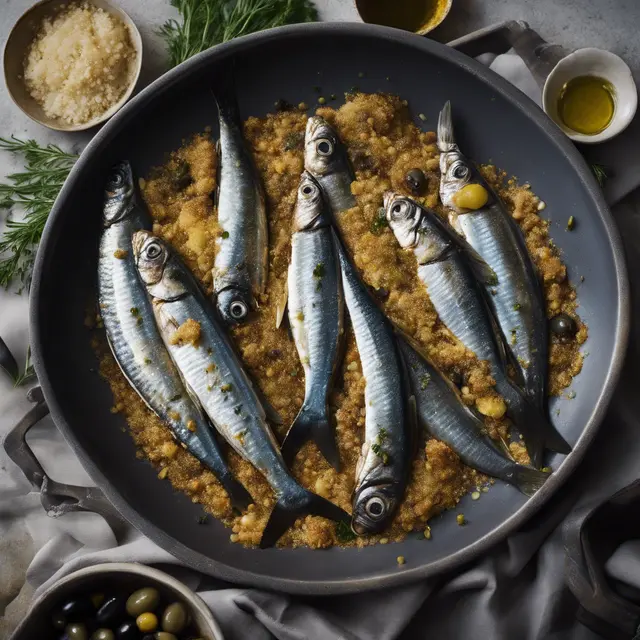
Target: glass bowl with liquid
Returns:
[[419, 16]]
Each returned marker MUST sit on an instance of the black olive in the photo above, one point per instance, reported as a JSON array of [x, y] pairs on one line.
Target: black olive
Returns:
[[457, 378], [274, 354], [58, 621], [128, 631], [77, 609], [112, 612], [416, 181], [564, 326]]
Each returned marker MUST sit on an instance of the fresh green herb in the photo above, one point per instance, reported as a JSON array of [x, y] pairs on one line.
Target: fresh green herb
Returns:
[[147, 360], [225, 388], [238, 410], [135, 311], [379, 222], [293, 373], [34, 191], [139, 320], [382, 434], [571, 223], [424, 382], [205, 23], [319, 271], [600, 173], [344, 533], [202, 519], [571, 395], [27, 373], [293, 140], [225, 235], [317, 89], [333, 96], [517, 306]]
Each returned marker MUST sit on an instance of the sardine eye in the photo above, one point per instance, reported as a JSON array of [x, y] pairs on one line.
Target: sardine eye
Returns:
[[398, 210], [324, 147], [375, 507], [308, 190], [238, 310], [460, 171], [117, 179], [153, 251]]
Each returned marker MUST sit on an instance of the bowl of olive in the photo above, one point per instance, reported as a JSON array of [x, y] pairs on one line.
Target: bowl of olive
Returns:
[[118, 601]]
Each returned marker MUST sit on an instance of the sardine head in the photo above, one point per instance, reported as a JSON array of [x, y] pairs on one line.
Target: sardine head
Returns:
[[119, 193], [373, 508], [403, 216], [322, 151], [309, 204], [235, 305], [157, 266]]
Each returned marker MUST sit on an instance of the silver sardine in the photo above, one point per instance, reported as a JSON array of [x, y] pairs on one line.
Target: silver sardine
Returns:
[[213, 373], [383, 468], [134, 338], [241, 264], [316, 312], [516, 295], [325, 158], [445, 417]]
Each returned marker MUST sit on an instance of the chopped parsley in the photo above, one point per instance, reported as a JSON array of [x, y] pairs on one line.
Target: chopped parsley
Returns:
[[379, 222], [344, 533], [293, 140], [139, 320], [135, 311], [318, 273], [424, 382], [517, 306]]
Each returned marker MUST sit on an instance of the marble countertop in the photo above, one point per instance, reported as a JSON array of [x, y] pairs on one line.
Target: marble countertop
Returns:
[[573, 23]]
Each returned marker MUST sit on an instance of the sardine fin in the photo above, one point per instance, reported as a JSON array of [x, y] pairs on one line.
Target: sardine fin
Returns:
[[529, 480], [281, 305], [446, 140], [287, 511], [482, 272], [239, 497], [311, 425], [271, 413]]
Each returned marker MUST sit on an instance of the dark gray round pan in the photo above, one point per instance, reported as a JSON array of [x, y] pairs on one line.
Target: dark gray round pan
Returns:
[[494, 122]]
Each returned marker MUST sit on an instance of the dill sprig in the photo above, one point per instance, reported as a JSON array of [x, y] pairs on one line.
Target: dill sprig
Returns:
[[600, 173], [205, 23], [34, 191]]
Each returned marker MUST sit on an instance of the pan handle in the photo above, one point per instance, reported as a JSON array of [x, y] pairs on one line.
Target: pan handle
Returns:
[[57, 498]]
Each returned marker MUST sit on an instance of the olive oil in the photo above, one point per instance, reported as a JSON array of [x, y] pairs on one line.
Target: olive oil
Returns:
[[586, 104], [410, 15]]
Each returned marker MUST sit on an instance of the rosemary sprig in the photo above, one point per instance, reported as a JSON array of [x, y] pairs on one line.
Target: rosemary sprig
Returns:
[[600, 173], [205, 23], [33, 190], [27, 373]]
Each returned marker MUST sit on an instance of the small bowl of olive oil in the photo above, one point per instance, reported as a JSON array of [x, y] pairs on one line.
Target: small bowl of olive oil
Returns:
[[419, 16], [590, 95]]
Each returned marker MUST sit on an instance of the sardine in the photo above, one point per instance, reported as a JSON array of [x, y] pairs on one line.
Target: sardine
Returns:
[[325, 158], [452, 273], [134, 338], [316, 311], [213, 373], [384, 464], [447, 418], [516, 295], [241, 263]]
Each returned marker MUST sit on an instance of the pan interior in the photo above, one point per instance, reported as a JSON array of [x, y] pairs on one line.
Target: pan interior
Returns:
[[288, 65]]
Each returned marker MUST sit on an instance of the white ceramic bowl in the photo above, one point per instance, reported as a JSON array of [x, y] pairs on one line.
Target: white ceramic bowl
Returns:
[[17, 45], [593, 62], [128, 576]]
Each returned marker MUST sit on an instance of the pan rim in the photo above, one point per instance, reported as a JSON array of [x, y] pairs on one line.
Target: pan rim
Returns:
[[507, 91]]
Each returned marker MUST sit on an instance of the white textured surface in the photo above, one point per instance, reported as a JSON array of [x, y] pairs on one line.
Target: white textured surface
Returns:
[[24, 528]]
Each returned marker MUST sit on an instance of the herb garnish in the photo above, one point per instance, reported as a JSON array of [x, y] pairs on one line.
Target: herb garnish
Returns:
[[600, 173], [318, 273], [344, 533], [379, 222], [34, 190], [205, 23]]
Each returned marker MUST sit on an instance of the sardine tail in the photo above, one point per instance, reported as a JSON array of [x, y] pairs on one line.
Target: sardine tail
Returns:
[[529, 480], [286, 512], [311, 425], [240, 498], [446, 140], [224, 91]]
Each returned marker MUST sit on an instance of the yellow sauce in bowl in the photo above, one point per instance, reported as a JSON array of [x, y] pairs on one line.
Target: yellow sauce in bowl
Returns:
[[586, 104], [419, 16]]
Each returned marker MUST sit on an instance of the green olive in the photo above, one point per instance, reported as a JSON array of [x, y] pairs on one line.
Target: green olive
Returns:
[[103, 634], [77, 631], [174, 618], [143, 601], [163, 635]]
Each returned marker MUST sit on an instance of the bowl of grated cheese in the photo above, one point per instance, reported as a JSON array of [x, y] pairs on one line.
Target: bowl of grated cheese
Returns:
[[71, 66]]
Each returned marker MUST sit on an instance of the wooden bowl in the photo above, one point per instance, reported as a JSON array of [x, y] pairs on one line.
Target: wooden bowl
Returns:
[[15, 51]]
